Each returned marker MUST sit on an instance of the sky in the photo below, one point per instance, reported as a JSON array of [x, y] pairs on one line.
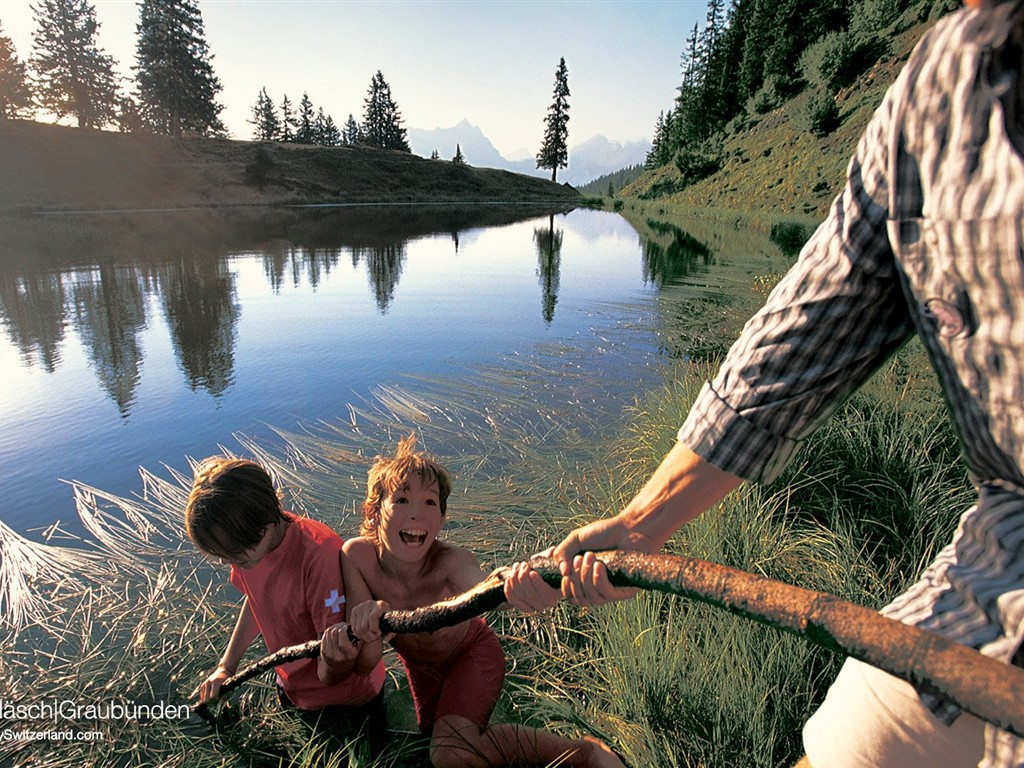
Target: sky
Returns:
[[491, 62]]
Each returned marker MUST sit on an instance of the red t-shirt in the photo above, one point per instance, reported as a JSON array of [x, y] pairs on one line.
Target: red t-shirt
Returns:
[[295, 592]]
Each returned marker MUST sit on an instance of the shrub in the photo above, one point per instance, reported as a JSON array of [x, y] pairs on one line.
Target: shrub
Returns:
[[869, 18], [258, 170], [825, 63], [768, 97], [837, 58], [821, 113], [660, 189], [790, 236], [699, 161]]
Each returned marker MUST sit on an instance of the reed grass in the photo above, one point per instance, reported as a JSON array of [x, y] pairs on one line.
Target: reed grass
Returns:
[[536, 445]]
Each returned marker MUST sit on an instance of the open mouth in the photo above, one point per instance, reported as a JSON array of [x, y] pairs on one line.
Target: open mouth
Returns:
[[413, 537]]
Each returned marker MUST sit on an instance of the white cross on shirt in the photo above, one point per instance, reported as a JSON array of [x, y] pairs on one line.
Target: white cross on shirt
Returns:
[[334, 601]]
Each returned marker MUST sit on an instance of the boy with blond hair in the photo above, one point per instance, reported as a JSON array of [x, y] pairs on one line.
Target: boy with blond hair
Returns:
[[455, 673]]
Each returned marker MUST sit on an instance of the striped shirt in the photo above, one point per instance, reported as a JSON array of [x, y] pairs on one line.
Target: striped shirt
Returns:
[[927, 237]]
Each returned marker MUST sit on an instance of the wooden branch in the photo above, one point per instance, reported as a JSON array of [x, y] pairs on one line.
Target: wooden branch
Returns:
[[985, 687]]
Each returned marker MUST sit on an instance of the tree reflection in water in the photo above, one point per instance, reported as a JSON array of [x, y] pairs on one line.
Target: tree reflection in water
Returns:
[[96, 272]]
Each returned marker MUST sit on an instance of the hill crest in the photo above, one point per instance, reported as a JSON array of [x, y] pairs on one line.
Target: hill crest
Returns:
[[59, 168]]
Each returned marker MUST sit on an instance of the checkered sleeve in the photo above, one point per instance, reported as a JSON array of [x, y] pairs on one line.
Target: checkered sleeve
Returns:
[[831, 321]]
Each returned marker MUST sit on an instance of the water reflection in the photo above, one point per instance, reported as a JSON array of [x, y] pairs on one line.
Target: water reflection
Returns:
[[384, 267], [96, 274], [199, 303], [549, 261], [108, 309], [682, 256], [33, 307], [105, 300], [314, 265]]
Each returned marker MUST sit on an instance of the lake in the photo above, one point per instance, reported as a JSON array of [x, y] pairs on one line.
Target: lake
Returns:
[[140, 339]]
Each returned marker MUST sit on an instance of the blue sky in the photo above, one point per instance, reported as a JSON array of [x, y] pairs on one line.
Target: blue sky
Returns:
[[488, 61]]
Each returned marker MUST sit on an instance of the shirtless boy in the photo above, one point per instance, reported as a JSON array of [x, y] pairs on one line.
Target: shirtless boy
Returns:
[[455, 673]]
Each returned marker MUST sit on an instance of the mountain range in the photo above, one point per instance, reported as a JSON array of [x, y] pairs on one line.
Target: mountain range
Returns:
[[595, 157]]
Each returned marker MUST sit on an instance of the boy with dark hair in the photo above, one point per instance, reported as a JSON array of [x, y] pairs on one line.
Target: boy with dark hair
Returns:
[[289, 570]]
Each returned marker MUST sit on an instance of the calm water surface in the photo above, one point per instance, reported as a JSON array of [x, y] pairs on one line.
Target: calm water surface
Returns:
[[140, 340]]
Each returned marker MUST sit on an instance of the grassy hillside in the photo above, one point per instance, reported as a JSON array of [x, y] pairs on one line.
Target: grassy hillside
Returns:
[[58, 168], [774, 164]]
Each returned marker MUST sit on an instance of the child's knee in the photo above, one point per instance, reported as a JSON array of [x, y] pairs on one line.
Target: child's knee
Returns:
[[455, 743]]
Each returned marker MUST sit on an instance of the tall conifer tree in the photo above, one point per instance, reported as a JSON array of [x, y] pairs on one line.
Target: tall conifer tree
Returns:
[[73, 75], [554, 152], [330, 136], [382, 122], [306, 131], [174, 69], [350, 133], [264, 118], [288, 121], [15, 93]]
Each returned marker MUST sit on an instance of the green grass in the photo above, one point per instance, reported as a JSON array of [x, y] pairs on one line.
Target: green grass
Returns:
[[865, 506]]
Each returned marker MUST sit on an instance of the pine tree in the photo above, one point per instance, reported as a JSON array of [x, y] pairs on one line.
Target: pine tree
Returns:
[[73, 75], [350, 133], [319, 126], [15, 93], [714, 77], [459, 158], [554, 152], [654, 153], [731, 60], [174, 70], [687, 124], [129, 116], [330, 135], [382, 122], [306, 130], [264, 118], [288, 120]]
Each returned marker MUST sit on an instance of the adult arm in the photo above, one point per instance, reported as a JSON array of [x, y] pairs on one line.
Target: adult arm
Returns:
[[682, 487], [831, 322]]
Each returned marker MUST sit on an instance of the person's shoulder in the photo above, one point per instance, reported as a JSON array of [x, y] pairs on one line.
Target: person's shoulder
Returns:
[[360, 550], [315, 534], [312, 528], [450, 557]]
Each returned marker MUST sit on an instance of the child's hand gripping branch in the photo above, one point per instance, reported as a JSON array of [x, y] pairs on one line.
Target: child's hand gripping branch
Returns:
[[365, 619]]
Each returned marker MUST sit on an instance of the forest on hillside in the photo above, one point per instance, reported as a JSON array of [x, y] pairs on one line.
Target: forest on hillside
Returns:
[[748, 60]]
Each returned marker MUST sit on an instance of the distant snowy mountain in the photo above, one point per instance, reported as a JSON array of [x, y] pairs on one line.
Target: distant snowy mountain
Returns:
[[595, 157], [599, 156], [476, 148]]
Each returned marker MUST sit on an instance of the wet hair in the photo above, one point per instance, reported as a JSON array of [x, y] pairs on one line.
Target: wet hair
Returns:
[[231, 503], [389, 473]]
